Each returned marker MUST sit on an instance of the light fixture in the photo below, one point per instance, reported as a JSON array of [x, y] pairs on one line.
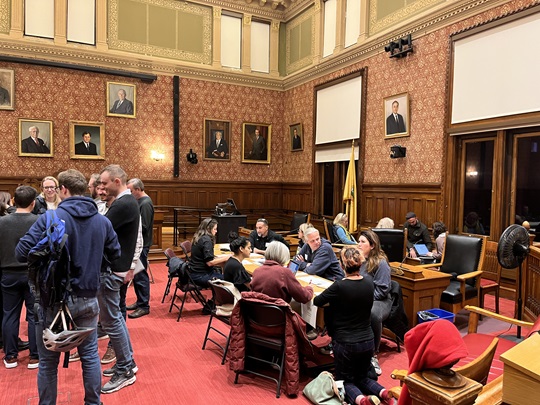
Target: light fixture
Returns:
[[397, 151], [157, 155], [400, 47], [192, 157]]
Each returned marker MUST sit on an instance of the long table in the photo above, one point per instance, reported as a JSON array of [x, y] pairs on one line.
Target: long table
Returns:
[[421, 288]]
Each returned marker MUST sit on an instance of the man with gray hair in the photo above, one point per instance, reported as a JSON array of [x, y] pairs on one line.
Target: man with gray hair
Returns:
[[141, 281], [317, 257], [34, 144]]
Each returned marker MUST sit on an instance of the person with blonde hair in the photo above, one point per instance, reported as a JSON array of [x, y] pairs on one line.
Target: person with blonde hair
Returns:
[[49, 198], [301, 235], [386, 223], [341, 222]]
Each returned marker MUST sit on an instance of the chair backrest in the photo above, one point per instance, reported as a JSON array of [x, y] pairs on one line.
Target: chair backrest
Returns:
[[393, 242], [221, 295], [463, 254], [329, 230], [263, 318], [478, 369], [186, 248], [169, 253], [491, 268], [298, 219]]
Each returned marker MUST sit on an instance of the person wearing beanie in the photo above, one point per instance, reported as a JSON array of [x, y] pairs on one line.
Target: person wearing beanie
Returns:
[[417, 232]]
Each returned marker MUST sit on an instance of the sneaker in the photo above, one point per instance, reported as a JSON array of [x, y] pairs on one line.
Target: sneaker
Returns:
[[22, 344], [386, 398], [33, 364], [376, 366], [109, 356], [119, 381], [370, 400], [10, 363], [74, 357], [138, 313], [132, 307], [110, 371]]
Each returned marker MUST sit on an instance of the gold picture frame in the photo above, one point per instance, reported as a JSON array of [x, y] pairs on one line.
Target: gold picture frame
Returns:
[[7, 89], [87, 140], [256, 143], [396, 123], [214, 149], [118, 106], [296, 134], [35, 138]]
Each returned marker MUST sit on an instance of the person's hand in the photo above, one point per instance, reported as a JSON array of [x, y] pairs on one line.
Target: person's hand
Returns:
[[412, 253], [299, 258], [129, 276]]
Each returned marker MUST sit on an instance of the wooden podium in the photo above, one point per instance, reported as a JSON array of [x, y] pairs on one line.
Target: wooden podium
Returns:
[[227, 223]]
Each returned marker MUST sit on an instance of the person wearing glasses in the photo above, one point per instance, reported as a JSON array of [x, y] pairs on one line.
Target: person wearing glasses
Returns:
[[48, 199]]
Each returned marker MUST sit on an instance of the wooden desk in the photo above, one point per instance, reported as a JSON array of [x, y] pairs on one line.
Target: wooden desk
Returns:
[[421, 288]]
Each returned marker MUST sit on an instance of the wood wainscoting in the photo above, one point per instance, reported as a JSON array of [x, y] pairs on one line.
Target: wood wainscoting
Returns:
[[395, 200]]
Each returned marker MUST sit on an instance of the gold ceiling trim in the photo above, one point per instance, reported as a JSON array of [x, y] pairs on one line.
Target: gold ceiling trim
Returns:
[[394, 18]]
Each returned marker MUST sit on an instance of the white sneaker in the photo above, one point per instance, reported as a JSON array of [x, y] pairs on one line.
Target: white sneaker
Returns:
[[376, 366], [11, 363]]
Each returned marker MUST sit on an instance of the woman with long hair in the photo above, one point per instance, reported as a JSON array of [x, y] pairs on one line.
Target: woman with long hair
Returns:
[[377, 269], [301, 237], [348, 305], [203, 261], [48, 199], [341, 222], [234, 271], [5, 204]]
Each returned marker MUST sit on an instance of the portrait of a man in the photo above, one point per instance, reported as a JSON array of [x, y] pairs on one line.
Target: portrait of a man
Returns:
[[86, 146], [87, 140], [121, 99], [218, 148], [35, 138], [256, 143], [396, 115], [216, 140], [296, 137], [7, 87]]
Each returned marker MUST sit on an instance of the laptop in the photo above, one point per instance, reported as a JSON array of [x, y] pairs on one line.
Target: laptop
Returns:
[[421, 249]]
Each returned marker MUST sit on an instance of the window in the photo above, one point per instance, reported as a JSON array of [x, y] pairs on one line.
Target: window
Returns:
[[260, 47], [81, 21], [352, 22], [231, 40], [329, 29], [39, 18]]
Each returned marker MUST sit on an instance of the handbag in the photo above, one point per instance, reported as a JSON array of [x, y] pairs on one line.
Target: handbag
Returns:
[[323, 390]]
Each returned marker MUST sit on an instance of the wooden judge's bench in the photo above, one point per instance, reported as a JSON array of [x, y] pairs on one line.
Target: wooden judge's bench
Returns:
[[421, 288]]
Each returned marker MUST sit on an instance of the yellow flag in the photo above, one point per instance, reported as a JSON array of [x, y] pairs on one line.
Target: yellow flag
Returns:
[[349, 193]]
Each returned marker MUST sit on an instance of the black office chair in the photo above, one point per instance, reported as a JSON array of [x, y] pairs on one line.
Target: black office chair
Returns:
[[221, 296], [330, 232], [265, 340], [393, 242]]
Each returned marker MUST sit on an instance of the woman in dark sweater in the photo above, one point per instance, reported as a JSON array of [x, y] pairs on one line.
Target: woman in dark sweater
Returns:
[[347, 318], [202, 260], [234, 271]]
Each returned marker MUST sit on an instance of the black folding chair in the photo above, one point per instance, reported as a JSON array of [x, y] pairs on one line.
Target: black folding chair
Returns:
[[186, 284], [169, 253]]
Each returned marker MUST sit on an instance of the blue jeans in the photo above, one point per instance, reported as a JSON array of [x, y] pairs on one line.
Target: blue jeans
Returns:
[[353, 361], [141, 282], [202, 279], [112, 321], [85, 312], [15, 290]]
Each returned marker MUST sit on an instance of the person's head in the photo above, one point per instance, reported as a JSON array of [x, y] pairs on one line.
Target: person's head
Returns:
[[411, 218], [208, 226], [219, 135], [121, 94], [370, 246], [136, 187], [351, 259], [34, 132], [471, 220], [295, 132], [86, 136], [257, 132], [24, 196], [5, 198], [241, 246], [313, 238], [341, 219], [438, 228], [92, 185], [102, 193], [261, 226], [49, 188], [73, 181], [395, 107], [302, 230], [277, 252], [385, 223], [113, 178]]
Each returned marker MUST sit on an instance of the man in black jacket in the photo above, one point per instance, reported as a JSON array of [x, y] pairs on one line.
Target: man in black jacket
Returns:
[[417, 232], [262, 236]]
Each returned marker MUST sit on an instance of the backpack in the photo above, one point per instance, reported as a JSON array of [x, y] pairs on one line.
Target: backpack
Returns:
[[49, 264]]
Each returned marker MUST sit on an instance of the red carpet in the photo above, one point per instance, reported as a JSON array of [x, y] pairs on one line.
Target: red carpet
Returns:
[[172, 366]]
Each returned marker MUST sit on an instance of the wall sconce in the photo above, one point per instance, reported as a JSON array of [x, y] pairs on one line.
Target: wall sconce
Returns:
[[192, 157], [400, 48], [397, 151], [157, 156]]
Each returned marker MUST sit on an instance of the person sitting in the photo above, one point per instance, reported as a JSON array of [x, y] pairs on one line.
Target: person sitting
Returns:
[[203, 261], [262, 236], [348, 304], [234, 271], [341, 222], [473, 225], [301, 237], [439, 233], [386, 223], [417, 232], [276, 280], [317, 257], [376, 269]]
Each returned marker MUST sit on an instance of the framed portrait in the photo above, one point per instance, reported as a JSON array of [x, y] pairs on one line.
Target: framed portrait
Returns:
[[121, 100], [256, 143], [7, 89], [396, 116], [297, 137], [217, 140], [35, 138], [86, 140]]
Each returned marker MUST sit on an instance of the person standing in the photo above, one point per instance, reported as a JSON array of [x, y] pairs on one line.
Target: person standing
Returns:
[[124, 216], [141, 281], [91, 237], [15, 288]]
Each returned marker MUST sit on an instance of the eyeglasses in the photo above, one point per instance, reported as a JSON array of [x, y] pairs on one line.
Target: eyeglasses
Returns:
[[50, 188]]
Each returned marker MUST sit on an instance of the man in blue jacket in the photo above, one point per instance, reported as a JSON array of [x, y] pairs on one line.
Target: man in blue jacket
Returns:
[[317, 257], [91, 237]]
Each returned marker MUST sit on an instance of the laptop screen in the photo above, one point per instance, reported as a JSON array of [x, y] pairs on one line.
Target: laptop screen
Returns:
[[293, 266], [421, 249]]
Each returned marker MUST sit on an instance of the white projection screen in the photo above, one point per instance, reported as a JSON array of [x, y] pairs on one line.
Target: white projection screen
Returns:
[[495, 71], [338, 111]]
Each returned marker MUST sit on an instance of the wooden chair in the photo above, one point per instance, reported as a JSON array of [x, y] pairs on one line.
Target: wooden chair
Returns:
[[491, 275]]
